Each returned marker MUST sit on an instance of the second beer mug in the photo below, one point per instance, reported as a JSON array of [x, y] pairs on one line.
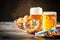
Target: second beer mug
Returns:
[[49, 21]]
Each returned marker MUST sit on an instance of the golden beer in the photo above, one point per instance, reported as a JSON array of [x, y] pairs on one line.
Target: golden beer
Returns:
[[38, 18], [49, 21]]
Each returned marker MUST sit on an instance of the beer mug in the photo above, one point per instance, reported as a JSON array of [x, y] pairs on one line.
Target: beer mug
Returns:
[[36, 14], [49, 21]]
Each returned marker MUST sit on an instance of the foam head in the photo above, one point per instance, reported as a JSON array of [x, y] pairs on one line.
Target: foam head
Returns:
[[49, 12], [35, 11]]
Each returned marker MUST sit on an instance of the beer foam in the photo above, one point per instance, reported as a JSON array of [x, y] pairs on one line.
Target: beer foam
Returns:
[[35, 11], [49, 12]]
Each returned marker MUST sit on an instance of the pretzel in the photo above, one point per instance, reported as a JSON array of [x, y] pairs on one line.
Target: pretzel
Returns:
[[19, 23], [28, 24]]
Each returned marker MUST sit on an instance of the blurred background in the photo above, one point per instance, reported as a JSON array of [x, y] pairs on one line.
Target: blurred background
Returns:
[[13, 9]]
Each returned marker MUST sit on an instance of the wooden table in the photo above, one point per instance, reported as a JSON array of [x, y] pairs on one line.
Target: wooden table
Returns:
[[9, 31]]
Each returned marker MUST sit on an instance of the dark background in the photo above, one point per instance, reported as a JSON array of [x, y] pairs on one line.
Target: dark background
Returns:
[[13, 9]]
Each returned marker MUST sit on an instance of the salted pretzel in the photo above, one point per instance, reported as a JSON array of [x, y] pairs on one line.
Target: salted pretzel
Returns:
[[28, 24], [19, 23], [31, 24]]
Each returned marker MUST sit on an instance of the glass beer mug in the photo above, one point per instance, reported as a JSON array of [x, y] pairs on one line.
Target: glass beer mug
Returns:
[[36, 14], [49, 21]]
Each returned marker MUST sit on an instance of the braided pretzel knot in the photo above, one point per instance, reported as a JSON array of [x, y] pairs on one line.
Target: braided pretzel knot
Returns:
[[31, 24]]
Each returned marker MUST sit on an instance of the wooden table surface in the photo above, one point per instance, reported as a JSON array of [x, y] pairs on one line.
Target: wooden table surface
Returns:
[[9, 31]]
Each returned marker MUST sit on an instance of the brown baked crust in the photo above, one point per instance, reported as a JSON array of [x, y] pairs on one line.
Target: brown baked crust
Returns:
[[53, 34]]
